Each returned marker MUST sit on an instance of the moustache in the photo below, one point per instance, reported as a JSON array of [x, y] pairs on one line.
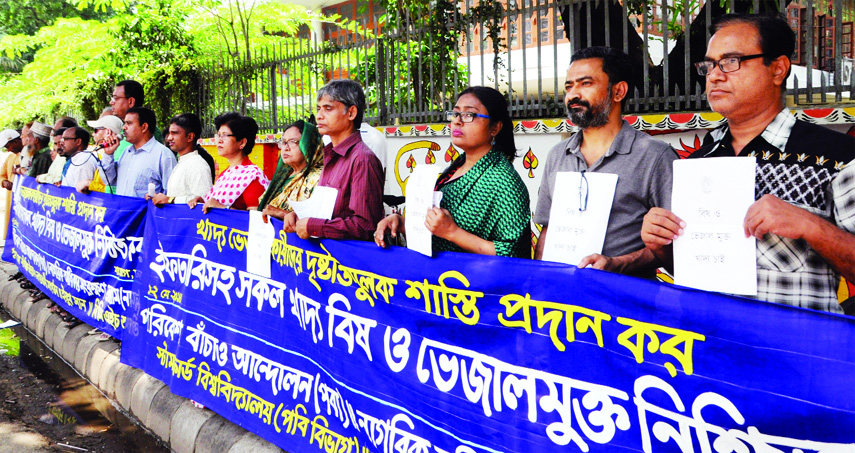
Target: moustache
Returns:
[[577, 103]]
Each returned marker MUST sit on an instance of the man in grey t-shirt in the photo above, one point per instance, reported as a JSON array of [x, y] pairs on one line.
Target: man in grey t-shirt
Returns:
[[596, 85]]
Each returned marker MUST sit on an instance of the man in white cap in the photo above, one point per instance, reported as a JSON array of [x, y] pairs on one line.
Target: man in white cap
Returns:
[[40, 141], [107, 125], [10, 140], [107, 122]]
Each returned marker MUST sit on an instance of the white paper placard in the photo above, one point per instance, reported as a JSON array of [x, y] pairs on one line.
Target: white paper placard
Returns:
[[259, 241], [319, 206], [712, 196], [577, 227], [421, 197]]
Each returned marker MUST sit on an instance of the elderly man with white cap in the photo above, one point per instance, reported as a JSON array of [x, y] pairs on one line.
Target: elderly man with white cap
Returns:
[[40, 141]]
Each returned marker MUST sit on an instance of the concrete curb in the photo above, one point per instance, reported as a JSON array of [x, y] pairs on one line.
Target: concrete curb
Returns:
[[176, 421]]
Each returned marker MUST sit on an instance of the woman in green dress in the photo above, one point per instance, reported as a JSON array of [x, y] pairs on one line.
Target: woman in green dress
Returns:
[[485, 204]]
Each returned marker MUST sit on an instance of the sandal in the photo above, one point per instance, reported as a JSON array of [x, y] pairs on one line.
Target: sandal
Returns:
[[16, 276], [41, 296], [56, 309], [104, 337]]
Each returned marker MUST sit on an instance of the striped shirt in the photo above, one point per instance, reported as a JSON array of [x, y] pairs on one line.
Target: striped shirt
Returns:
[[354, 170]]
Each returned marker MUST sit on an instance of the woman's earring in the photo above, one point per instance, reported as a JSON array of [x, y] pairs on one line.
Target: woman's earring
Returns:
[[493, 143]]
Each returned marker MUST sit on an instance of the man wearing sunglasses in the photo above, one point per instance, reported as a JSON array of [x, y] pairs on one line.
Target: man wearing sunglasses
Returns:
[[595, 90], [804, 211]]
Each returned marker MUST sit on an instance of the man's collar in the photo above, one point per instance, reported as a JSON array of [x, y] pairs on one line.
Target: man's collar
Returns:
[[186, 155], [776, 133], [345, 145], [622, 144], [147, 147]]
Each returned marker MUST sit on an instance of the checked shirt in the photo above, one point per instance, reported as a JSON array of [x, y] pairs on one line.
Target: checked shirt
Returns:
[[805, 165]]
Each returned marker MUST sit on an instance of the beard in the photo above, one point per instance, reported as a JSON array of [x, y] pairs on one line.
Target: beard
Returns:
[[592, 116]]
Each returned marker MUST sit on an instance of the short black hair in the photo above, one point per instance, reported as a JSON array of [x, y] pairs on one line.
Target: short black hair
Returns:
[[67, 121], [776, 36], [189, 122], [243, 127], [133, 89], [616, 64], [146, 116], [82, 134]]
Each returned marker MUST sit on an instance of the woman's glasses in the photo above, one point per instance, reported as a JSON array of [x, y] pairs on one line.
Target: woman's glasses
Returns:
[[466, 117]]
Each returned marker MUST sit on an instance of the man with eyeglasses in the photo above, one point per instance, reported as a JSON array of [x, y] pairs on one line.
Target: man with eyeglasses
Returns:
[[596, 87], [349, 166], [804, 213], [80, 165]]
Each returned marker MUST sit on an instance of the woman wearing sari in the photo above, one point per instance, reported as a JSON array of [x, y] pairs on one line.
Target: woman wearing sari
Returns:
[[299, 169], [241, 185], [485, 204]]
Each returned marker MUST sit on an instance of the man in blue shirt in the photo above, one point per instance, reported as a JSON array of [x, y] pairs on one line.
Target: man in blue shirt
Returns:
[[144, 161]]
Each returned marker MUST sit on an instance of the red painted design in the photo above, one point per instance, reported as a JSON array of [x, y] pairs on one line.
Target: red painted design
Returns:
[[689, 149], [421, 128], [430, 158], [530, 163], [411, 163], [818, 113], [682, 117], [451, 153], [529, 124]]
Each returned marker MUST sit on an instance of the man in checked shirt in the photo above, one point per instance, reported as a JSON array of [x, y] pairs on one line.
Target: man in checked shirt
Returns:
[[804, 213], [349, 166]]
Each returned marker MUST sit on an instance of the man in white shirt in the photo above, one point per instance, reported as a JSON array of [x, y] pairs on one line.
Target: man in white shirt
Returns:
[[191, 178], [81, 165]]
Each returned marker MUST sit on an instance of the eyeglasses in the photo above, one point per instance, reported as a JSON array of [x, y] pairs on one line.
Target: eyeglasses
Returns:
[[466, 117], [69, 138], [115, 98], [293, 142], [222, 136], [726, 64], [583, 199]]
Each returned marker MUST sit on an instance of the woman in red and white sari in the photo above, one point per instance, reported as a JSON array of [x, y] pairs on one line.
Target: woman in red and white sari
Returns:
[[243, 183]]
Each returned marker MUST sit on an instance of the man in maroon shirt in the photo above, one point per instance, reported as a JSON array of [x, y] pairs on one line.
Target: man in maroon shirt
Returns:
[[349, 166]]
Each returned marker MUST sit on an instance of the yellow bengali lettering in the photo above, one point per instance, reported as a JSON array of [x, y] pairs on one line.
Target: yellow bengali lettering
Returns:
[[642, 330], [574, 318]]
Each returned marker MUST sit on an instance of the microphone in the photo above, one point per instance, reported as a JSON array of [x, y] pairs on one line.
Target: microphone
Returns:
[[103, 145]]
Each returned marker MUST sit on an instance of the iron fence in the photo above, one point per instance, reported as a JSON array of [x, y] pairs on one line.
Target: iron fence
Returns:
[[412, 73]]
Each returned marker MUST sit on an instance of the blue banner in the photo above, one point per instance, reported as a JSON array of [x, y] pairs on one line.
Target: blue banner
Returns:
[[351, 348], [80, 250]]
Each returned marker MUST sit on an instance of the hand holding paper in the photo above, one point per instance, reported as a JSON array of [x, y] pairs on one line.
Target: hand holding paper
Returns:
[[319, 206], [579, 216], [712, 196], [421, 198]]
